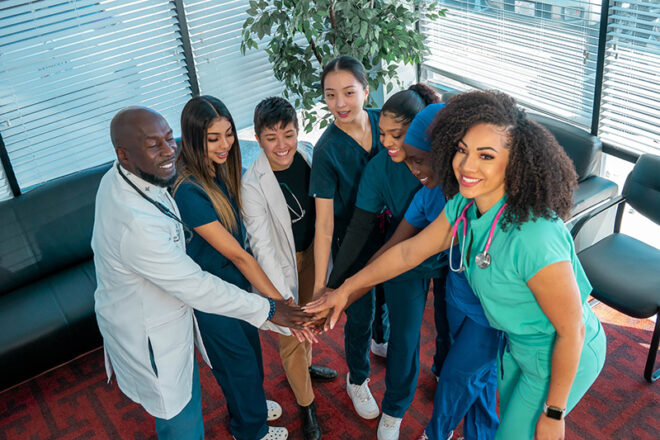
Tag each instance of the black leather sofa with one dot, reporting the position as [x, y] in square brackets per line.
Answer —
[586, 151]
[47, 277]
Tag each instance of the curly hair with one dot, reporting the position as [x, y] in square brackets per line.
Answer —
[539, 177]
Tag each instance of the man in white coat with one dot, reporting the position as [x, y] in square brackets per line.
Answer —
[147, 285]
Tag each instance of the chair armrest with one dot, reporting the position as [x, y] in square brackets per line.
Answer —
[591, 214]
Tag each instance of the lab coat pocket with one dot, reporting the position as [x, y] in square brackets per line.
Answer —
[171, 342]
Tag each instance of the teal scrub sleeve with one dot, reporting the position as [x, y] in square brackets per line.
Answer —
[454, 207]
[323, 177]
[194, 205]
[370, 192]
[540, 243]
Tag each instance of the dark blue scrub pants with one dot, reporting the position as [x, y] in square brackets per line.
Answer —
[468, 381]
[358, 333]
[380, 329]
[234, 350]
[188, 424]
[442, 334]
[405, 300]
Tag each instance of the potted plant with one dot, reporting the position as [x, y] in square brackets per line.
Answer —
[306, 34]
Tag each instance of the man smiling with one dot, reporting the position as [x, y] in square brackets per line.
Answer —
[147, 285]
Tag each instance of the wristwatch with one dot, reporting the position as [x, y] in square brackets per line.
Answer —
[553, 412]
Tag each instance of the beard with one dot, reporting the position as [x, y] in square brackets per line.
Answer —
[165, 183]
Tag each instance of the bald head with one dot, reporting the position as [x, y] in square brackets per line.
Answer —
[144, 144]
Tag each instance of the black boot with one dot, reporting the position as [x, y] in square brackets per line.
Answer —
[310, 426]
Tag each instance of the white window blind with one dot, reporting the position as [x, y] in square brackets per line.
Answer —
[66, 67]
[541, 52]
[222, 71]
[5, 190]
[630, 106]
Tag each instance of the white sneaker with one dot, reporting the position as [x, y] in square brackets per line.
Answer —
[274, 410]
[276, 433]
[363, 401]
[379, 349]
[388, 427]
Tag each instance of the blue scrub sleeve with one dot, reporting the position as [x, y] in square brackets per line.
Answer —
[323, 177]
[539, 244]
[194, 205]
[416, 215]
[370, 192]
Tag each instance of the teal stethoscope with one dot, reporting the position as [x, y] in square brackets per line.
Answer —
[483, 258]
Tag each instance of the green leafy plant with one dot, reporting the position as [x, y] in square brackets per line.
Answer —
[306, 34]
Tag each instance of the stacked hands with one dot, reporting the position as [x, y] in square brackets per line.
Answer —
[319, 315]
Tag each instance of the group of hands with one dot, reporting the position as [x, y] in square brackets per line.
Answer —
[319, 315]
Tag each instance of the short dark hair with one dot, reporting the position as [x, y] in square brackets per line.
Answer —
[272, 112]
[350, 64]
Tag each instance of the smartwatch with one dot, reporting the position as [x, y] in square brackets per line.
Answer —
[553, 412]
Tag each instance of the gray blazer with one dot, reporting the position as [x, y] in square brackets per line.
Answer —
[268, 223]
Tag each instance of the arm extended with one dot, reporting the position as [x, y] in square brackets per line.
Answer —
[400, 258]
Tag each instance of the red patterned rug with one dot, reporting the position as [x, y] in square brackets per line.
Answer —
[75, 402]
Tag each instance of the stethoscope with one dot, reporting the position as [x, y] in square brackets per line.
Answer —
[187, 232]
[483, 258]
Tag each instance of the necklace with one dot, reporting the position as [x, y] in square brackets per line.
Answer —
[298, 215]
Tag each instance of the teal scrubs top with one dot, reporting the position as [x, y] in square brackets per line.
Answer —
[391, 185]
[517, 254]
[197, 210]
[337, 165]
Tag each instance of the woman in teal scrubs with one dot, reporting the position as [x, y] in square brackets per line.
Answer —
[510, 185]
[387, 183]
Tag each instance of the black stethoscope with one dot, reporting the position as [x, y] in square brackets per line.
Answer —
[483, 258]
[187, 232]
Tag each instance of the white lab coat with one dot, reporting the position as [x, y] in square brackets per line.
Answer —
[147, 287]
[268, 223]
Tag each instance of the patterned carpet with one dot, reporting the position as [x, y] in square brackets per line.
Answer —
[75, 402]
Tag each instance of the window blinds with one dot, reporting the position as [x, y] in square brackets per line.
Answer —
[630, 103]
[66, 67]
[541, 52]
[239, 81]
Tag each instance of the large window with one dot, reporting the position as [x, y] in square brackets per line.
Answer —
[67, 66]
[630, 109]
[546, 54]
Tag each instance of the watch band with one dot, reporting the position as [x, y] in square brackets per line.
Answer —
[553, 412]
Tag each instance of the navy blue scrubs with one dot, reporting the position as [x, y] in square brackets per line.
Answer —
[337, 166]
[232, 344]
[386, 184]
[467, 381]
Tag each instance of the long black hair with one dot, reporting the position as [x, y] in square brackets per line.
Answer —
[404, 105]
[194, 165]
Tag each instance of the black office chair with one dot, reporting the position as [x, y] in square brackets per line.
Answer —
[625, 272]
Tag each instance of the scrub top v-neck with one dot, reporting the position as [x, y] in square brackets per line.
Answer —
[337, 167]
[517, 254]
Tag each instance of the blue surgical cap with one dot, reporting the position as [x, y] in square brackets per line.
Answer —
[416, 135]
